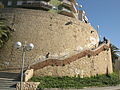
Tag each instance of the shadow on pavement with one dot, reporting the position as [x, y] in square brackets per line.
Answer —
[9, 75]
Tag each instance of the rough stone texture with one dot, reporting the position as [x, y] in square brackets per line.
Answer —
[28, 74]
[50, 33]
[72, 58]
[85, 67]
[28, 85]
[117, 65]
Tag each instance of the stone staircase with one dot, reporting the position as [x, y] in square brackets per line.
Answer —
[8, 80]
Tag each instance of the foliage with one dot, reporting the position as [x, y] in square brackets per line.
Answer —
[55, 3]
[53, 11]
[4, 32]
[77, 82]
[1, 6]
[114, 52]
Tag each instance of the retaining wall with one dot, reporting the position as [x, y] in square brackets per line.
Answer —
[84, 64]
[57, 35]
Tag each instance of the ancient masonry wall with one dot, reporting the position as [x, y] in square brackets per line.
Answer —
[85, 64]
[57, 35]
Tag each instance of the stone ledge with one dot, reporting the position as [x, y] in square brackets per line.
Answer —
[28, 85]
[28, 74]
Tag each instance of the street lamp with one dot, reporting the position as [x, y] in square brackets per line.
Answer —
[23, 47]
[98, 27]
[79, 5]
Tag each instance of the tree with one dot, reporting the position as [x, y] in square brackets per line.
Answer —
[4, 32]
[114, 52]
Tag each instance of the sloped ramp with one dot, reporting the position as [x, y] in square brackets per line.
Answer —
[57, 62]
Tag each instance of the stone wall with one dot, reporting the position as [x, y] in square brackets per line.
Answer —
[54, 36]
[117, 65]
[27, 85]
[28, 74]
[85, 64]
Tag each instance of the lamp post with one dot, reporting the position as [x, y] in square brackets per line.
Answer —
[98, 27]
[25, 47]
[98, 33]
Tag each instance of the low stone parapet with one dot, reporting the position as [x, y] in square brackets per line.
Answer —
[28, 74]
[28, 85]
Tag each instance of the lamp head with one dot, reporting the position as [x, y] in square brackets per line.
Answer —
[80, 6]
[18, 45]
[98, 26]
[55, 8]
[30, 46]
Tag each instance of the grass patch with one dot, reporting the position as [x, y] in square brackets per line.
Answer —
[77, 82]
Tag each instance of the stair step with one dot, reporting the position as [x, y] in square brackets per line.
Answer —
[8, 84]
[8, 81]
[8, 88]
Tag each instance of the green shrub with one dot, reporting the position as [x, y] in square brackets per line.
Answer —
[77, 82]
[55, 2]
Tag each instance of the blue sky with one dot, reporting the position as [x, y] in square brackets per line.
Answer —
[106, 14]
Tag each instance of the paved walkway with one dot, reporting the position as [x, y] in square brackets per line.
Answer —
[103, 88]
[8, 81]
[96, 88]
